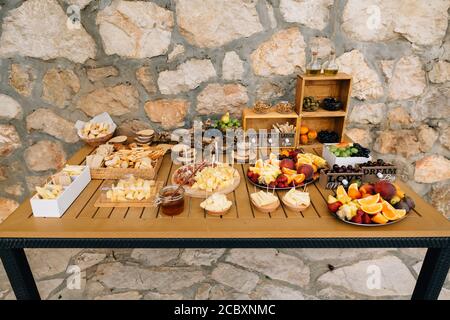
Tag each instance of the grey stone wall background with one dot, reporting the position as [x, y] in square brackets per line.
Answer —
[162, 63]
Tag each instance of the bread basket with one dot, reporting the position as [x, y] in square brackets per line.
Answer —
[98, 141]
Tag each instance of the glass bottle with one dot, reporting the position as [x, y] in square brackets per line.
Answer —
[330, 67]
[314, 67]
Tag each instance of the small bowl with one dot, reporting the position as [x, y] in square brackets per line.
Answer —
[294, 208]
[217, 213]
[268, 208]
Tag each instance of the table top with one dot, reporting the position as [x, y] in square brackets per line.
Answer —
[84, 220]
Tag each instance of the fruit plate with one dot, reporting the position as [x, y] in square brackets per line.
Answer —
[369, 225]
[305, 183]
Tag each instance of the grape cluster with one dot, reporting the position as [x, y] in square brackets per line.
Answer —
[362, 152]
[325, 136]
[378, 163]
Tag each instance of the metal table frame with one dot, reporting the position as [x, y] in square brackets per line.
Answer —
[429, 283]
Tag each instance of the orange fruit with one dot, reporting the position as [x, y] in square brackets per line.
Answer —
[389, 211]
[304, 139]
[353, 191]
[372, 208]
[312, 134]
[401, 213]
[342, 195]
[304, 130]
[369, 200]
[380, 219]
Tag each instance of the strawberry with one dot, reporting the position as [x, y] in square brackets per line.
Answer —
[357, 219]
[366, 219]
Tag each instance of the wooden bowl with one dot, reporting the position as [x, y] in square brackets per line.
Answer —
[267, 208]
[217, 213]
[294, 208]
[98, 141]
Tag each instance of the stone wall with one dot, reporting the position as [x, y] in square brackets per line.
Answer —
[161, 63]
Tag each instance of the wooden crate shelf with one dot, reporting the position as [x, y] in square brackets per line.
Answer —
[320, 87]
[258, 121]
[323, 114]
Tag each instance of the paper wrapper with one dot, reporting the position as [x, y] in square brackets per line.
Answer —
[102, 117]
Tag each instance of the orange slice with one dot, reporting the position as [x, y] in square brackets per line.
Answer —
[342, 195]
[372, 208]
[369, 200]
[401, 213]
[389, 211]
[353, 191]
[380, 219]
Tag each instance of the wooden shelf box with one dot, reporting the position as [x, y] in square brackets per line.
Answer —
[320, 87]
[257, 121]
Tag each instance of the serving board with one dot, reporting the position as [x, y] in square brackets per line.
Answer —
[196, 193]
[103, 202]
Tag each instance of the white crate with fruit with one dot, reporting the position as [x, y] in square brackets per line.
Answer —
[345, 153]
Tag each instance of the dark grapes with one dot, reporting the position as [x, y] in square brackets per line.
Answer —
[328, 137]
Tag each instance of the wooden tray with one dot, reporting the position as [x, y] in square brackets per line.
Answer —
[117, 173]
[103, 202]
[194, 193]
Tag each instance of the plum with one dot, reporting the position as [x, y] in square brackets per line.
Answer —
[410, 202]
[402, 204]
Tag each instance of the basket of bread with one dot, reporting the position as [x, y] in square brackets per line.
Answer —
[112, 161]
[97, 131]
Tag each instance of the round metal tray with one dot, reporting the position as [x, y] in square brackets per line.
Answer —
[369, 225]
[262, 186]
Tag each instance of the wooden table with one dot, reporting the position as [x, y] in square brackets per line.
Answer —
[86, 226]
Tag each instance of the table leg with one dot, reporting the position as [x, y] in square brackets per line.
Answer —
[19, 274]
[432, 275]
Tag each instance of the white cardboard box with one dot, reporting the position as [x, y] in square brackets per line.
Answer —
[341, 161]
[55, 208]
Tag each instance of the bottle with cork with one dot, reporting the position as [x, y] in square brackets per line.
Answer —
[330, 67]
[314, 67]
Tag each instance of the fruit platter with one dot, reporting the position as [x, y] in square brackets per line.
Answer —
[289, 169]
[201, 180]
[371, 204]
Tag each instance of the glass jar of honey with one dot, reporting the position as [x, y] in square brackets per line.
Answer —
[171, 200]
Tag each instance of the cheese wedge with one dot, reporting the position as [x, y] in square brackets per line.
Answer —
[263, 198]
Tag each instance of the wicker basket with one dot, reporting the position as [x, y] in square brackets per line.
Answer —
[98, 141]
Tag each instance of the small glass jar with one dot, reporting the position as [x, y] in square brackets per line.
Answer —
[171, 204]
